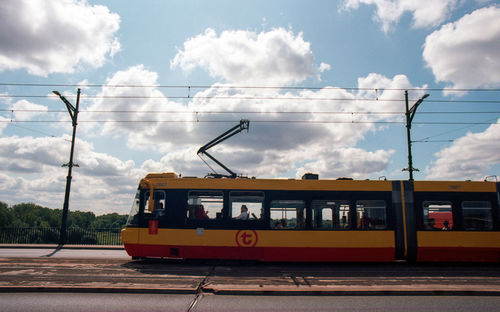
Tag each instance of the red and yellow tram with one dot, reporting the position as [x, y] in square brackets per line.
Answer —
[313, 220]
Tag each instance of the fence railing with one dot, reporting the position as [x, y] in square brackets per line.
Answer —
[76, 236]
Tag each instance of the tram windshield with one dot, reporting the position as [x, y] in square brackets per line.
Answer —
[134, 211]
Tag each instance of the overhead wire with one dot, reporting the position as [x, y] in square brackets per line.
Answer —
[246, 87]
[291, 98]
[455, 130]
[248, 98]
[34, 130]
[256, 121]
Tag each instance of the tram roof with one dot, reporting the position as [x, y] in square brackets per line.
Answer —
[171, 180]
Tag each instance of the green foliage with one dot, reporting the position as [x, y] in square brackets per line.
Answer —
[110, 221]
[29, 215]
[6, 216]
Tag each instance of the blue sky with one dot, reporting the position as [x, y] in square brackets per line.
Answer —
[321, 75]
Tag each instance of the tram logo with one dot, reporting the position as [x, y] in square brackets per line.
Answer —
[246, 238]
[153, 227]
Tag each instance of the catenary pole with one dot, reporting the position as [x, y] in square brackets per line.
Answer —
[73, 112]
[410, 113]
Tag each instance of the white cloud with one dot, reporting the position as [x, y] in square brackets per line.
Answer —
[101, 183]
[347, 162]
[466, 52]
[276, 57]
[52, 36]
[32, 155]
[147, 116]
[470, 156]
[25, 110]
[426, 13]
[274, 146]
[324, 67]
[388, 89]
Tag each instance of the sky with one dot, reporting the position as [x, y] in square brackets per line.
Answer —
[322, 83]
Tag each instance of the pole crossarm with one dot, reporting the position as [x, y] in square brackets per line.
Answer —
[69, 106]
[413, 109]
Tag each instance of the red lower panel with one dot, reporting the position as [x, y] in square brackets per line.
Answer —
[264, 253]
[458, 254]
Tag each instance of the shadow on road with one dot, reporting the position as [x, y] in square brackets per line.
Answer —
[229, 268]
[58, 248]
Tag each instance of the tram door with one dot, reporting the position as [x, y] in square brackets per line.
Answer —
[153, 215]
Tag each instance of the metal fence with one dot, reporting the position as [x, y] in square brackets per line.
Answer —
[75, 236]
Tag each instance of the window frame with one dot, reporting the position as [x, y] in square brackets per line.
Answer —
[359, 219]
[300, 217]
[157, 212]
[246, 198]
[190, 213]
[490, 221]
[335, 205]
[425, 217]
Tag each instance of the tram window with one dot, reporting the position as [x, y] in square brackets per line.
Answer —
[477, 215]
[288, 214]
[331, 214]
[252, 201]
[204, 205]
[438, 215]
[159, 198]
[371, 214]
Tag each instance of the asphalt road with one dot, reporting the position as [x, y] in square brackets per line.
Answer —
[31, 302]
[108, 280]
[112, 271]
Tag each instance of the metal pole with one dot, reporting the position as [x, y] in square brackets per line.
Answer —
[410, 113]
[73, 111]
[408, 128]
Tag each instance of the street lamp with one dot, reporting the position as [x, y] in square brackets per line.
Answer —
[410, 113]
[73, 112]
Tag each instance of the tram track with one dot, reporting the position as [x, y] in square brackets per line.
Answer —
[200, 291]
[208, 277]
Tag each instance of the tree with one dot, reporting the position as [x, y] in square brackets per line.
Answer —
[80, 219]
[6, 217]
[32, 215]
[110, 221]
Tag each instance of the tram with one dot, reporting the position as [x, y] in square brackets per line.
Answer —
[314, 220]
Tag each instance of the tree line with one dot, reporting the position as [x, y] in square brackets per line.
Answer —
[30, 215]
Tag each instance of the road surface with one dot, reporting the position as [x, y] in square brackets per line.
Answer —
[102, 279]
[112, 270]
[59, 302]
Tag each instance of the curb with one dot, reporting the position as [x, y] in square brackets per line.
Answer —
[121, 290]
[55, 246]
[354, 293]
[229, 292]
